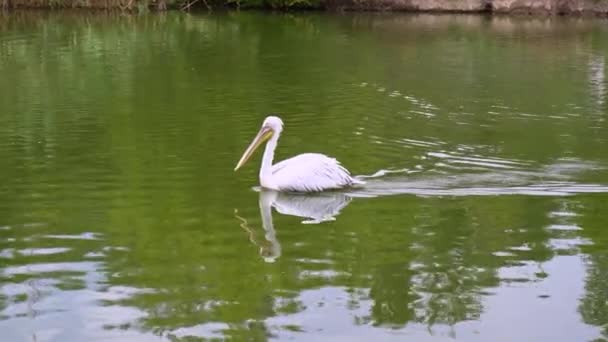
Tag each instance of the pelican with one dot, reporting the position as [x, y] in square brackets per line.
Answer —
[307, 172]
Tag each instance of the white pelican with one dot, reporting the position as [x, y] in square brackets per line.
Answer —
[307, 172]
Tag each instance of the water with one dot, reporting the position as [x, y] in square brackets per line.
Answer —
[483, 142]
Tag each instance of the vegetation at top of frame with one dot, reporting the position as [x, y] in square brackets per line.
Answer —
[145, 5]
[546, 7]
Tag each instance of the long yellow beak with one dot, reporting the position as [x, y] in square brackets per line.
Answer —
[264, 134]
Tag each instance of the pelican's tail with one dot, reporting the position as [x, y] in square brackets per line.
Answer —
[357, 181]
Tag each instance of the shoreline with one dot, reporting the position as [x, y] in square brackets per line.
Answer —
[538, 8]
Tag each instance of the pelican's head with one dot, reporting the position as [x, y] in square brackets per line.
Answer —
[273, 122]
[272, 125]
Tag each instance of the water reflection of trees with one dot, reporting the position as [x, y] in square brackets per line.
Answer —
[455, 249]
[594, 304]
[432, 269]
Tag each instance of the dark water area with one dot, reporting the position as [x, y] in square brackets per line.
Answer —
[483, 141]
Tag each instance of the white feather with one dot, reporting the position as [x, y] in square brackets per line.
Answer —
[310, 172]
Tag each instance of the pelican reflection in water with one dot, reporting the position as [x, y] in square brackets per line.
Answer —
[307, 172]
[315, 208]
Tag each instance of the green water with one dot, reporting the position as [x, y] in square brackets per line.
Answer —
[484, 218]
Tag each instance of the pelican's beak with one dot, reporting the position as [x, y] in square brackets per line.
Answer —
[264, 134]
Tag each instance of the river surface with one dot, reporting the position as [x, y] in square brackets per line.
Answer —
[483, 142]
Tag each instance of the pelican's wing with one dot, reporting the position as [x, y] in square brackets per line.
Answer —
[310, 172]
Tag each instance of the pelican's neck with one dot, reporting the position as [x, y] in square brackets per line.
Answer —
[266, 169]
